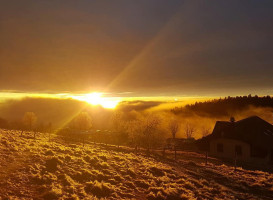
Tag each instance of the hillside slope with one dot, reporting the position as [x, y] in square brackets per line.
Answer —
[38, 169]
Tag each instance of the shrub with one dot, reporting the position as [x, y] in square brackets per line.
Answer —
[83, 176]
[53, 194]
[87, 158]
[142, 184]
[99, 189]
[131, 172]
[49, 153]
[66, 180]
[156, 171]
[94, 161]
[104, 158]
[67, 158]
[52, 164]
[103, 165]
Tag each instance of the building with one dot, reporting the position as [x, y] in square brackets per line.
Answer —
[250, 140]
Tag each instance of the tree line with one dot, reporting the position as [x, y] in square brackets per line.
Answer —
[148, 131]
[223, 106]
[28, 122]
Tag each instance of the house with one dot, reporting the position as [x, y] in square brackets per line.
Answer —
[249, 139]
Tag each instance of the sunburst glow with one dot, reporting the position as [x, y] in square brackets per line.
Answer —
[94, 98]
[97, 98]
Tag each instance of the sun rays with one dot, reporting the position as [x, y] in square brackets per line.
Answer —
[97, 98]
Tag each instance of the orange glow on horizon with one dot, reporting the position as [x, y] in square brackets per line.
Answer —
[106, 101]
[96, 98]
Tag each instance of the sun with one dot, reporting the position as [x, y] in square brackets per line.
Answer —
[96, 98]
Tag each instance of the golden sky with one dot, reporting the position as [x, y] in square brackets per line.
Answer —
[136, 48]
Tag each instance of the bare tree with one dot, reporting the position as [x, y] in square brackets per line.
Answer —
[82, 123]
[151, 124]
[189, 130]
[29, 121]
[174, 127]
[134, 128]
[117, 121]
[120, 128]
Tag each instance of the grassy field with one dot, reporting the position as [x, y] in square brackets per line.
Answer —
[39, 169]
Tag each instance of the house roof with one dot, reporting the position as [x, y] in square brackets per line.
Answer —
[252, 130]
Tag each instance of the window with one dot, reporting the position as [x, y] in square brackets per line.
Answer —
[220, 147]
[238, 150]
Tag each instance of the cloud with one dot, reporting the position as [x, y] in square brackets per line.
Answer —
[148, 47]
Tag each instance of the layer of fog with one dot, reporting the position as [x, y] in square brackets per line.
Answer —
[59, 112]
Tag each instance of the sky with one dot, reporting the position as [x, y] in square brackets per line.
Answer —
[137, 48]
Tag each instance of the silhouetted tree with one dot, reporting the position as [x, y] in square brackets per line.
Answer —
[223, 107]
[82, 122]
[173, 127]
[150, 125]
[29, 121]
[134, 129]
[189, 130]
[119, 126]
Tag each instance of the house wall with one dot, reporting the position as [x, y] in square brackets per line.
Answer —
[229, 146]
[266, 160]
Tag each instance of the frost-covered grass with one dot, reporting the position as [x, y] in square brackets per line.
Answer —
[40, 169]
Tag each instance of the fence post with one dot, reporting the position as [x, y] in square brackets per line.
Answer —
[206, 158]
[175, 152]
[235, 162]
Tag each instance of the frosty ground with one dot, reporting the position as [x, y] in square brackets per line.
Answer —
[42, 169]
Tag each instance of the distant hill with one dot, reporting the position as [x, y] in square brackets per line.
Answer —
[223, 107]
